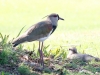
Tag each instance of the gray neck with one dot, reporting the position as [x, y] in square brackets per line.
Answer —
[53, 21]
[74, 51]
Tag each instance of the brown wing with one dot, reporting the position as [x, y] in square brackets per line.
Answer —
[39, 30]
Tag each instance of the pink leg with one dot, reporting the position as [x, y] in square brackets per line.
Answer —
[42, 55]
[39, 50]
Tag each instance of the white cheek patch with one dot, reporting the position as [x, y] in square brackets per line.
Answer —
[57, 18]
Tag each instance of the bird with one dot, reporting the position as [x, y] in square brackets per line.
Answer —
[39, 31]
[74, 55]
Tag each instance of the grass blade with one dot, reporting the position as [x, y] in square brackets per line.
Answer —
[1, 36]
[20, 31]
[2, 73]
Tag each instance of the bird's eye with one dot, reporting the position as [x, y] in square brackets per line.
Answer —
[55, 15]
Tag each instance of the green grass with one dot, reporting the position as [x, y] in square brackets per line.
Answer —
[11, 61]
[81, 26]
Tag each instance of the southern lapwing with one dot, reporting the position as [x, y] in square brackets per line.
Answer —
[73, 54]
[39, 32]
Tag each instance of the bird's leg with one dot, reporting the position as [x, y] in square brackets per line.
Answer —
[39, 51]
[42, 55]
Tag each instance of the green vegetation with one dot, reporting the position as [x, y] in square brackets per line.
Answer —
[80, 28]
[19, 61]
[24, 70]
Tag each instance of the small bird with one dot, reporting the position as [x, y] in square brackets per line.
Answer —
[73, 54]
[39, 32]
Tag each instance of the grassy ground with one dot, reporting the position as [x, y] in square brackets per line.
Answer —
[81, 26]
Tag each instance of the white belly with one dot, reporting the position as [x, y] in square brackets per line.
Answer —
[44, 38]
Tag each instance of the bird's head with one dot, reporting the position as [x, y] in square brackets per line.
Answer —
[73, 50]
[54, 18]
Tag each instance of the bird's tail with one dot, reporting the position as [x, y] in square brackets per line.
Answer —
[19, 40]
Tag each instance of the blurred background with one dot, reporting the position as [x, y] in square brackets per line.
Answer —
[81, 26]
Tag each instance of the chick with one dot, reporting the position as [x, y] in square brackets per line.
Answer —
[74, 55]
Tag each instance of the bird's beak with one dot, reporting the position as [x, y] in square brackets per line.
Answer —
[61, 18]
